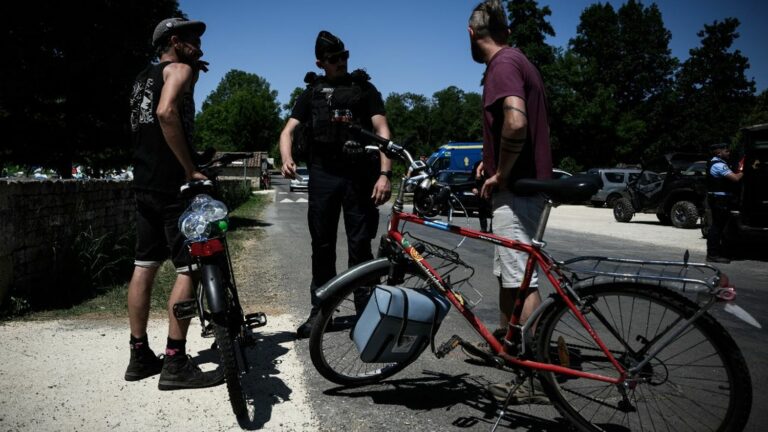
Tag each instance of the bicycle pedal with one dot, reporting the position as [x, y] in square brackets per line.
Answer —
[255, 320]
[186, 309]
[207, 331]
[448, 346]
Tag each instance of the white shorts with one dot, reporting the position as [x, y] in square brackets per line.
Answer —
[515, 218]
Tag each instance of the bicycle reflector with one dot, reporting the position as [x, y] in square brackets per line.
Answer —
[206, 248]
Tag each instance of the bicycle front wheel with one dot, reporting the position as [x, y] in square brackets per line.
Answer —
[698, 382]
[331, 348]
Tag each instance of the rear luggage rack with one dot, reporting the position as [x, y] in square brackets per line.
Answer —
[681, 276]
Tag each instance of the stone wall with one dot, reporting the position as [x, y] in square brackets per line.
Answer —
[39, 221]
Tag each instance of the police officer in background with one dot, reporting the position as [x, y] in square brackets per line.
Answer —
[722, 188]
[342, 174]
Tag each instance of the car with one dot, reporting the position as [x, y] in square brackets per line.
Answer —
[302, 179]
[677, 198]
[461, 183]
[614, 182]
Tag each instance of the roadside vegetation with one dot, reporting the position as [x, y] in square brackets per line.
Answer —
[110, 300]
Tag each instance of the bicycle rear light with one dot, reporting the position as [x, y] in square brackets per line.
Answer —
[206, 248]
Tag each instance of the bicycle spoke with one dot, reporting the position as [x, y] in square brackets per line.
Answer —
[687, 386]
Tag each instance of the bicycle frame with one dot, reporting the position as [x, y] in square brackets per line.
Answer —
[536, 256]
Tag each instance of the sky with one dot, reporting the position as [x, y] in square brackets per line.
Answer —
[418, 46]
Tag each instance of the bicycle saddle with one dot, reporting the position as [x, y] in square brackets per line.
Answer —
[568, 190]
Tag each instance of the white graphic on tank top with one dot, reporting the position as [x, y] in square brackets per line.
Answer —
[141, 104]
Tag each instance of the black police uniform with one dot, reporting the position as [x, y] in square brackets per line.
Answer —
[720, 195]
[342, 174]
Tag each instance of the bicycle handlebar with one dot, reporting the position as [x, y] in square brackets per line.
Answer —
[226, 159]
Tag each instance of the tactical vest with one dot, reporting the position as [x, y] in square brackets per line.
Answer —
[334, 107]
[719, 184]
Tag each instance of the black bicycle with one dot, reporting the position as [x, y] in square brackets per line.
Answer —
[205, 226]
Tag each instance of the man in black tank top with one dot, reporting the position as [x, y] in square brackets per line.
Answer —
[162, 116]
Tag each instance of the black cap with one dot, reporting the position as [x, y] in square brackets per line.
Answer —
[718, 146]
[171, 26]
[327, 45]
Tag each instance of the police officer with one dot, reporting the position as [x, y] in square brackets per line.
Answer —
[342, 174]
[722, 188]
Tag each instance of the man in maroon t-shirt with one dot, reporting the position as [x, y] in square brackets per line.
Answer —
[515, 146]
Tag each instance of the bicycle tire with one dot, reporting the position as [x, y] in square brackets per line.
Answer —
[711, 392]
[228, 347]
[331, 343]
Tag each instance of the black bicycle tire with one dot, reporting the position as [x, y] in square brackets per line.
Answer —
[227, 346]
[740, 398]
[321, 325]
[225, 342]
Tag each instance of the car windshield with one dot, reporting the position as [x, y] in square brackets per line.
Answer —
[698, 168]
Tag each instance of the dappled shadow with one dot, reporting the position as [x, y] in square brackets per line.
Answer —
[261, 385]
[236, 222]
[444, 391]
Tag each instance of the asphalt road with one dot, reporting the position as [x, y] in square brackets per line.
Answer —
[450, 393]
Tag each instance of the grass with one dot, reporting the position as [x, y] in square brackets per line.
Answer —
[111, 301]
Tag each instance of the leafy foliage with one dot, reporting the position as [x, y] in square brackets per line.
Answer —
[714, 94]
[241, 114]
[425, 124]
[66, 78]
[529, 29]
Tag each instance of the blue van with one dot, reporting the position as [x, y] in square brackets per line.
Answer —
[459, 156]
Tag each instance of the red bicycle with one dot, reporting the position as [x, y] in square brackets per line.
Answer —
[620, 344]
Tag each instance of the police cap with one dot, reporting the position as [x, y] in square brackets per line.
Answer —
[327, 45]
[718, 146]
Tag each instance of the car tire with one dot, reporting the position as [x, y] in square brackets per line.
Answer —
[622, 210]
[612, 200]
[597, 204]
[664, 218]
[684, 214]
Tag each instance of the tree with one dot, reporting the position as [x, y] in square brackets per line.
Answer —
[623, 91]
[715, 95]
[241, 114]
[66, 78]
[408, 118]
[450, 115]
[529, 29]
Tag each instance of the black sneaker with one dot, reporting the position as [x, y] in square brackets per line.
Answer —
[718, 259]
[144, 363]
[180, 373]
[305, 329]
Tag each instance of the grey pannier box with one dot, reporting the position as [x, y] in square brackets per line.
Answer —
[382, 335]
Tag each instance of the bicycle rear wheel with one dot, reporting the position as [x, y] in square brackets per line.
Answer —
[227, 341]
[229, 349]
[331, 348]
[699, 382]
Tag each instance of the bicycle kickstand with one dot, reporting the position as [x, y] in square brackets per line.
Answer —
[502, 411]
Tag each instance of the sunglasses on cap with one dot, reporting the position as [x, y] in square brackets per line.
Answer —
[337, 57]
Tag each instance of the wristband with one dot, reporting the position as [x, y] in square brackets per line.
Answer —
[387, 174]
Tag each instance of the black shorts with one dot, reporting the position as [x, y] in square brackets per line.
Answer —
[157, 231]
